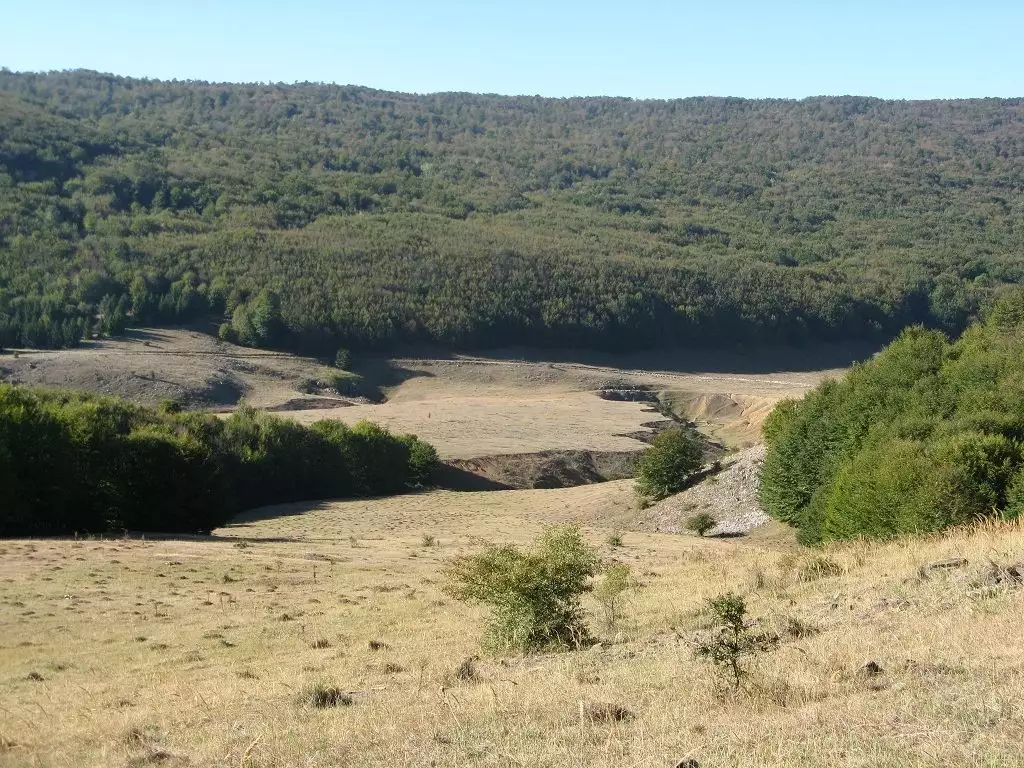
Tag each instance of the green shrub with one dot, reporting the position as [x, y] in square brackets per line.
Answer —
[534, 596]
[614, 581]
[72, 462]
[342, 359]
[666, 466]
[701, 523]
[732, 641]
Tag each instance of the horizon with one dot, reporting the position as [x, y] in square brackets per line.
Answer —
[655, 51]
[609, 96]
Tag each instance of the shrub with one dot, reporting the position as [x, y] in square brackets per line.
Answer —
[534, 596]
[666, 466]
[701, 523]
[614, 539]
[732, 641]
[608, 591]
[925, 436]
[342, 359]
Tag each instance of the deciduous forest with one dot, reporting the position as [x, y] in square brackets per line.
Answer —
[313, 217]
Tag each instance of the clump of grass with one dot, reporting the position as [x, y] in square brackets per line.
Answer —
[34, 677]
[466, 671]
[614, 539]
[429, 540]
[378, 645]
[319, 643]
[818, 567]
[241, 545]
[324, 696]
[605, 712]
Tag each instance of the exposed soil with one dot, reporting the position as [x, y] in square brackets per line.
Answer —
[546, 469]
[192, 368]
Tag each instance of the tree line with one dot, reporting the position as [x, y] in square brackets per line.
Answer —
[927, 435]
[349, 217]
[77, 463]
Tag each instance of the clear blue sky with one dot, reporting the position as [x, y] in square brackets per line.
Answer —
[639, 48]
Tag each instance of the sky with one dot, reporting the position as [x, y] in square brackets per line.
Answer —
[638, 48]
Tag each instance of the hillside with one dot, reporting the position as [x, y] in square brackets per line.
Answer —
[313, 216]
[124, 652]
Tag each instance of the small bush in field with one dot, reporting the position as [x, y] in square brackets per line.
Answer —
[534, 595]
[701, 523]
[608, 591]
[733, 640]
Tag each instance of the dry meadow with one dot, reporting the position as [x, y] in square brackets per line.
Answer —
[128, 652]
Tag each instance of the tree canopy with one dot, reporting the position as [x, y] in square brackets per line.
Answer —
[77, 463]
[317, 217]
[927, 435]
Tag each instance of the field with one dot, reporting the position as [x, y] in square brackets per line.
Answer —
[467, 406]
[196, 652]
[142, 651]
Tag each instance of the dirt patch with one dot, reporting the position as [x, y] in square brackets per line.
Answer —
[546, 469]
[149, 366]
[309, 404]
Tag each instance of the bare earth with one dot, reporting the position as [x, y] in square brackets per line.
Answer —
[465, 406]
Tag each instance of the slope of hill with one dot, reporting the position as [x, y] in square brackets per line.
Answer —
[316, 216]
[195, 652]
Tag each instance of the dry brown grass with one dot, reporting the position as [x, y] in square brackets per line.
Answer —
[149, 655]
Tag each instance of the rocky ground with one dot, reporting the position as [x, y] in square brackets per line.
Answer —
[729, 496]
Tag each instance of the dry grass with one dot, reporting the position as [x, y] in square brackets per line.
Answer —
[150, 656]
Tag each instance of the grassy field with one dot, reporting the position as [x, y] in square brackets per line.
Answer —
[197, 652]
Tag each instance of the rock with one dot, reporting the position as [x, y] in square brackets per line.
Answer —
[870, 669]
[1004, 576]
[596, 648]
[952, 562]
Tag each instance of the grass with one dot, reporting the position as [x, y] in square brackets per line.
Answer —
[219, 678]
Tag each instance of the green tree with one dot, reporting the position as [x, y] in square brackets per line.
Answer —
[666, 466]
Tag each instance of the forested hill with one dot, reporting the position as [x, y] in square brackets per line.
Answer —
[315, 216]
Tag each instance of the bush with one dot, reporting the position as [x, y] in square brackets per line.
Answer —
[614, 581]
[665, 467]
[701, 523]
[925, 436]
[534, 595]
[342, 359]
[732, 641]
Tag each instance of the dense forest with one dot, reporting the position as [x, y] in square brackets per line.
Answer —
[77, 463]
[927, 435]
[315, 217]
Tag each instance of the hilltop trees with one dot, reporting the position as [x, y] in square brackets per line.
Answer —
[375, 218]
